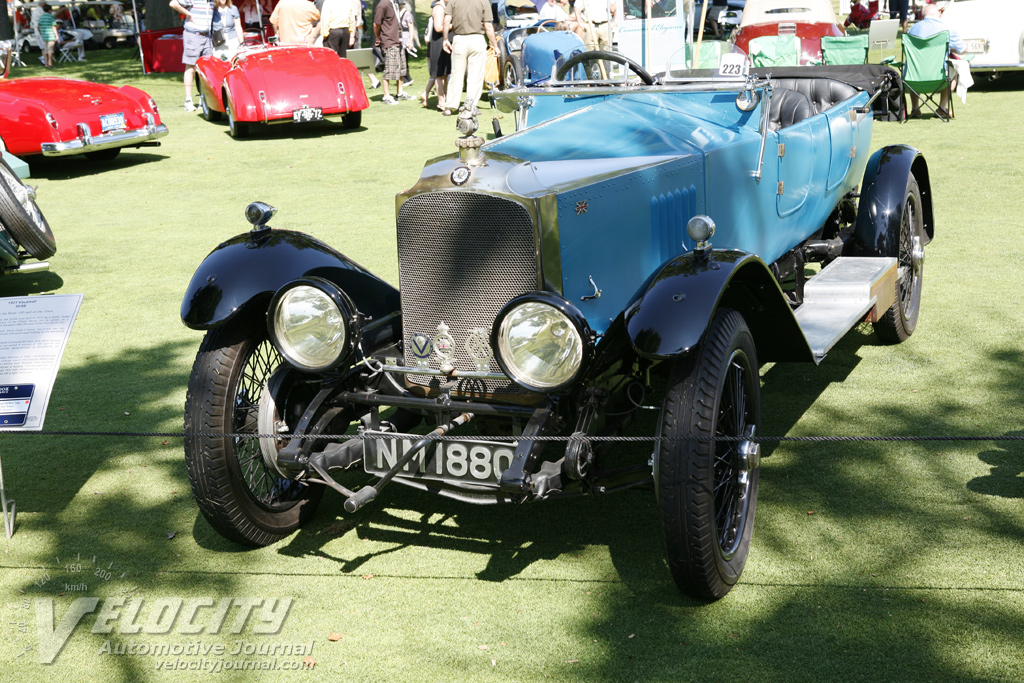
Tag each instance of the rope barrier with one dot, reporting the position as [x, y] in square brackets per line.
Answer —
[513, 439]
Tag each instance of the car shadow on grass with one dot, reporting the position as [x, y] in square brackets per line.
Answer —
[65, 168]
[27, 284]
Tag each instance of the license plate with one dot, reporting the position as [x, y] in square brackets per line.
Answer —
[110, 122]
[307, 114]
[976, 45]
[471, 462]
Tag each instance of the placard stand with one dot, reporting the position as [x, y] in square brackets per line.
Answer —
[34, 332]
[882, 34]
[8, 512]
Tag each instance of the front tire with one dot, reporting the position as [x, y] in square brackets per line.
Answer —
[899, 322]
[22, 217]
[512, 72]
[208, 113]
[707, 490]
[241, 497]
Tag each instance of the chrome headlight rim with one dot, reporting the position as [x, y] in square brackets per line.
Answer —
[347, 310]
[575, 318]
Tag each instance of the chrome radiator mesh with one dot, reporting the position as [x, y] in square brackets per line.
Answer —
[462, 256]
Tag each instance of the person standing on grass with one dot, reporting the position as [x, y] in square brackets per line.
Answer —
[47, 34]
[338, 21]
[296, 22]
[410, 39]
[197, 39]
[228, 21]
[440, 61]
[466, 23]
[388, 36]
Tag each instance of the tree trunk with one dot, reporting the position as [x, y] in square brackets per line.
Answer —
[6, 28]
[159, 15]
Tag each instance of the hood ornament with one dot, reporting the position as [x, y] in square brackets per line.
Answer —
[469, 144]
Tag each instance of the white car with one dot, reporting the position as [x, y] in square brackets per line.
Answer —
[993, 31]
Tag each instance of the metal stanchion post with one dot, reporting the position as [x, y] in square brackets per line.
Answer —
[8, 513]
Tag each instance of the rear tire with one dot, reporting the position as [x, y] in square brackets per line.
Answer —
[243, 498]
[236, 128]
[707, 490]
[900, 320]
[352, 120]
[22, 217]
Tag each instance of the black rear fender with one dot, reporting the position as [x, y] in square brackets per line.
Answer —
[877, 231]
[672, 316]
[240, 276]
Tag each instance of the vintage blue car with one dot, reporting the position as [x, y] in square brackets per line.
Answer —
[528, 54]
[646, 242]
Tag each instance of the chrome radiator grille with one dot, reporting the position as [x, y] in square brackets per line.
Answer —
[462, 256]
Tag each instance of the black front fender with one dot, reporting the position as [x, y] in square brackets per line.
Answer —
[243, 273]
[672, 316]
[880, 213]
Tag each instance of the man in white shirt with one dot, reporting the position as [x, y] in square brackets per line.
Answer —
[596, 21]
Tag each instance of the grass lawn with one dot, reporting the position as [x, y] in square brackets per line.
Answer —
[870, 561]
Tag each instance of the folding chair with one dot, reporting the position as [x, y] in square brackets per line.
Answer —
[710, 54]
[68, 52]
[843, 50]
[925, 72]
[775, 51]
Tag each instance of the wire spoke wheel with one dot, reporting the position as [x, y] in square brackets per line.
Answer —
[900, 320]
[238, 491]
[21, 216]
[707, 488]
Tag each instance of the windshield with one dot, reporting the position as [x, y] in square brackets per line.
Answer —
[710, 59]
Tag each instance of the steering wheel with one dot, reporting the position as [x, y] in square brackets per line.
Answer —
[592, 55]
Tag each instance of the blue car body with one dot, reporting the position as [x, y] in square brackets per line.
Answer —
[626, 245]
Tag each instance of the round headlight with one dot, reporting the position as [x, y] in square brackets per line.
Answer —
[542, 342]
[310, 324]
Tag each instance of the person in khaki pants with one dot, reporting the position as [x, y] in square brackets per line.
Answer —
[466, 23]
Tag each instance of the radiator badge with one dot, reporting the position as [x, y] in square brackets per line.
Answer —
[460, 175]
[444, 346]
[478, 346]
[421, 347]
[581, 207]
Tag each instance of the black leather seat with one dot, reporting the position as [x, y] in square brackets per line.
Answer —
[788, 107]
[823, 93]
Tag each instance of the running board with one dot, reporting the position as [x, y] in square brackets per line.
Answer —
[844, 293]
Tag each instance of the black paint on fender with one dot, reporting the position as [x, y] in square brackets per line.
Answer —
[884, 189]
[245, 272]
[673, 315]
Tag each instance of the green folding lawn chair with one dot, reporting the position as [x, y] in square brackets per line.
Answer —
[710, 54]
[925, 72]
[775, 51]
[842, 50]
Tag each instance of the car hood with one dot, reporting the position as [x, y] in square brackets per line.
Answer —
[641, 125]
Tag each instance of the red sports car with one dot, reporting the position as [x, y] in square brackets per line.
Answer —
[808, 20]
[62, 117]
[280, 84]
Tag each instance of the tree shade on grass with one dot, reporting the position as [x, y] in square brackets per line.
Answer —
[869, 562]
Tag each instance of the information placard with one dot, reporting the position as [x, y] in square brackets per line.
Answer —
[34, 332]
